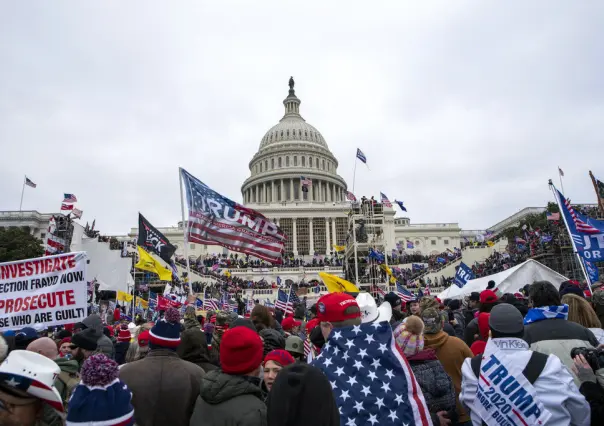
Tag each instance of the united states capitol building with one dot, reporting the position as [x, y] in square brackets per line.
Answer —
[314, 216]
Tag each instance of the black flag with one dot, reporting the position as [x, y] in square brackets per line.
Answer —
[154, 241]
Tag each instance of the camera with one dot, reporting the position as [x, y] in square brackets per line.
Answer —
[593, 356]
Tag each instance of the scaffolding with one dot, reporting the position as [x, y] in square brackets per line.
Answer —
[366, 223]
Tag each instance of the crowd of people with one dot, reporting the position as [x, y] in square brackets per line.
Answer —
[267, 368]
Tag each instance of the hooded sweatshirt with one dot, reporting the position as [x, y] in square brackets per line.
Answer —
[104, 343]
[272, 340]
[451, 352]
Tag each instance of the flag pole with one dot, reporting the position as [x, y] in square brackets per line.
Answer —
[560, 176]
[581, 264]
[184, 228]
[354, 174]
[22, 192]
[600, 200]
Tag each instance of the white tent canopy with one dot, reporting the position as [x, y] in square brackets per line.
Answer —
[509, 281]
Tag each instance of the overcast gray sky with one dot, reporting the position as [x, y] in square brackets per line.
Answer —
[464, 109]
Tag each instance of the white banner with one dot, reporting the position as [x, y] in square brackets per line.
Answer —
[45, 291]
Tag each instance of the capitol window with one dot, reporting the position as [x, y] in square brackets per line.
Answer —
[260, 167]
[323, 164]
[295, 160]
[272, 163]
[279, 161]
[303, 161]
[286, 161]
[433, 242]
[317, 163]
[265, 165]
[446, 242]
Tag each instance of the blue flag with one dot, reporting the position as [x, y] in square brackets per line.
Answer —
[361, 156]
[417, 266]
[374, 254]
[400, 204]
[587, 233]
[592, 271]
[441, 260]
[463, 275]
[372, 382]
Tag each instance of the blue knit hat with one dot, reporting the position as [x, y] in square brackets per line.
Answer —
[100, 398]
[166, 332]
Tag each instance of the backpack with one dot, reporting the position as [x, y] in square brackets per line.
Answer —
[70, 381]
[531, 371]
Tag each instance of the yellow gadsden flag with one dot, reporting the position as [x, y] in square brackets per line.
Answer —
[336, 284]
[142, 303]
[490, 243]
[122, 296]
[147, 263]
[339, 248]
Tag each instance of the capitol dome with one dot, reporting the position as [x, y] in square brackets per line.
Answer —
[289, 151]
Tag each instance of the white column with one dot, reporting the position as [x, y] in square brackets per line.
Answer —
[264, 194]
[329, 188]
[327, 245]
[333, 192]
[333, 231]
[282, 198]
[310, 236]
[310, 192]
[273, 191]
[291, 190]
[295, 247]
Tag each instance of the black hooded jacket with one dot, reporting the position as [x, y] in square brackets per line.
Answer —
[302, 396]
[193, 346]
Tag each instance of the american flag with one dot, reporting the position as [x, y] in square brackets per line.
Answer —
[427, 290]
[371, 380]
[66, 207]
[580, 222]
[403, 293]
[385, 200]
[304, 181]
[552, 216]
[29, 182]
[210, 304]
[377, 289]
[285, 304]
[69, 198]
[307, 347]
[227, 305]
[217, 220]
[77, 213]
[268, 303]
[350, 196]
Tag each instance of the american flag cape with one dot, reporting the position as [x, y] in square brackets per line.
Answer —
[371, 380]
[217, 220]
[581, 222]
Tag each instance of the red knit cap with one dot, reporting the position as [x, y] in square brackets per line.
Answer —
[280, 356]
[241, 351]
[65, 340]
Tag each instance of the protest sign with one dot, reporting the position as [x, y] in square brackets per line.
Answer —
[45, 291]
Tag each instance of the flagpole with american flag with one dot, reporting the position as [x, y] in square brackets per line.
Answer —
[562, 205]
[28, 182]
[184, 230]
